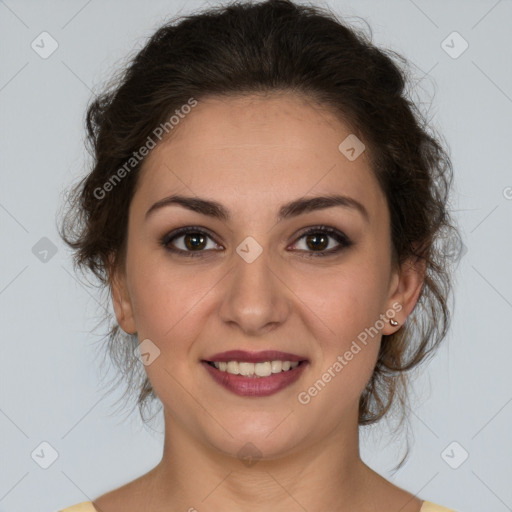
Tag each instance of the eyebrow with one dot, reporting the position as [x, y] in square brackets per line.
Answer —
[288, 210]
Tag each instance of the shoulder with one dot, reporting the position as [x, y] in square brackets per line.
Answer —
[428, 506]
[127, 497]
[84, 506]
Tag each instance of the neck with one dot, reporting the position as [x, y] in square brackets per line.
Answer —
[323, 474]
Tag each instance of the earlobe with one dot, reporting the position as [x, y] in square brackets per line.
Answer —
[122, 303]
[405, 291]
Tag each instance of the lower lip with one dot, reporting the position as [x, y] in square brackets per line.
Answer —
[255, 386]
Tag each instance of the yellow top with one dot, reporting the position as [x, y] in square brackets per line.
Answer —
[87, 506]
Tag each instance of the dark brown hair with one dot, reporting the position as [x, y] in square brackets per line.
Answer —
[262, 48]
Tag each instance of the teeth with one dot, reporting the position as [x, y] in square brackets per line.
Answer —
[255, 369]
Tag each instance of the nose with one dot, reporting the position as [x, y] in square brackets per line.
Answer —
[255, 298]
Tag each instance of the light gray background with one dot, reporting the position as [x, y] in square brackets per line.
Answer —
[50, 365]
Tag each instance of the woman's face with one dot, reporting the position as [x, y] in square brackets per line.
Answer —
[252, 281]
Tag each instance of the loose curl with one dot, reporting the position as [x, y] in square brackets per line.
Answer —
[269, 47]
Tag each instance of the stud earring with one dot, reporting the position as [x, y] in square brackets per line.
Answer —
[393, 322]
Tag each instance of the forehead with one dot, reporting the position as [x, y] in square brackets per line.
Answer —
[279, 146]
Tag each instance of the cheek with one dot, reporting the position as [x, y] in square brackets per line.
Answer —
[343, 311]
[167, 299]
[352, 345]
[346, 300]
[348, 336]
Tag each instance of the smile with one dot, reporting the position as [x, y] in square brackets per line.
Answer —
[255, 379]
[263, 369]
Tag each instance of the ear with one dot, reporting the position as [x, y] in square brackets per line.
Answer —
[121, 300]
[405, 288]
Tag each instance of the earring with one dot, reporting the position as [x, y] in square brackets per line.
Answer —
[393, 322]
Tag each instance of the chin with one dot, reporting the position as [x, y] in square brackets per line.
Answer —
[255, 439]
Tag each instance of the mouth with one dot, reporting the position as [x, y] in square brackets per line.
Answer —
[255, 374]
[255, 370]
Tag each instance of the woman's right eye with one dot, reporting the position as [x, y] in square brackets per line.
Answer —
[189, 242]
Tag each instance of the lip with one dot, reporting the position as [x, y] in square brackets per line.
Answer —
[254, 357]
[255, 386]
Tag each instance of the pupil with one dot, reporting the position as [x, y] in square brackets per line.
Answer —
[316, 237]
[194, 237]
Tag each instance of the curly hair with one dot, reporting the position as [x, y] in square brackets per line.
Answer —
[259, 48]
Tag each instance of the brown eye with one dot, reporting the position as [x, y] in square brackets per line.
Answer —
[187, 241]
[195, 241]
[317, 241]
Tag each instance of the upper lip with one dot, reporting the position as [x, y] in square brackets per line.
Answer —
[254, 357]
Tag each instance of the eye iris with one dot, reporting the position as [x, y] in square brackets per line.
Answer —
[316, 237]
[194, 244]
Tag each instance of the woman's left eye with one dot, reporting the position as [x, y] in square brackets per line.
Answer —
[195, 241]
[318, 238]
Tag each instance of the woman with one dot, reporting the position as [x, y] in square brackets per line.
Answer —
[269, 213]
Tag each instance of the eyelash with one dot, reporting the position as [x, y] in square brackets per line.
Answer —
[340, 237]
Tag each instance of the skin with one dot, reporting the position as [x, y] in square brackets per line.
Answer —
[253, 154]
